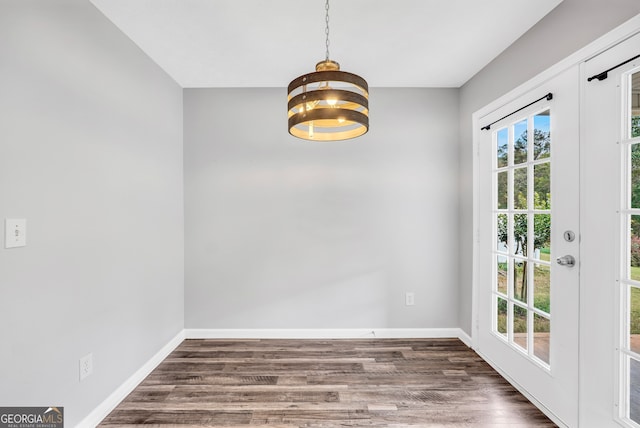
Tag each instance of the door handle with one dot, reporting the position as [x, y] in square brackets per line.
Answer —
[567, 260]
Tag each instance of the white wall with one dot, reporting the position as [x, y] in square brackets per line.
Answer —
[569, 27]
[284, 233]
[91, 156]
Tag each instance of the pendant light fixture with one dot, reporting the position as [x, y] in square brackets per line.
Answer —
[329, 104]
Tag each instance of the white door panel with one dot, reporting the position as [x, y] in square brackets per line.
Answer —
[528, 304]
[609, 317]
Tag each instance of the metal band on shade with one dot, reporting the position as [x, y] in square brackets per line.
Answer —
[354, 124]
[325, 76]
[351, 98]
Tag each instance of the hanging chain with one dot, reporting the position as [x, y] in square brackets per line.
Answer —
[326, 29]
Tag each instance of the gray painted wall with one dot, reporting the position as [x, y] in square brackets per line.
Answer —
[284, 233]
[91, 156]
[569, 27]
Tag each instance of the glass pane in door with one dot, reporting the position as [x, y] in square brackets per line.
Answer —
[635, 105]
[542, 287]
[542, 135]
[634, 247]
[542, 186]
[520, 327]
[542, 236]
[520, 234]
[502, 272]
[520, 188]
[634, 319]
[541, 343]
[520, 144]
[503, 190]
[635, 176]
[501, 319]
[503, 148]
[520, 280]
[502, 233]
[634, 390]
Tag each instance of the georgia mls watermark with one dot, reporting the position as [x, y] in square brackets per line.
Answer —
[31, 417]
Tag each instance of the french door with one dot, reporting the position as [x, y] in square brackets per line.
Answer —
[610, 329]
[528, 244]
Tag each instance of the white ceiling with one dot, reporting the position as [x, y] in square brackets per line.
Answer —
[267, 43]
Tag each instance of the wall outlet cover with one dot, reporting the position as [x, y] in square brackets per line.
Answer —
[86, 366]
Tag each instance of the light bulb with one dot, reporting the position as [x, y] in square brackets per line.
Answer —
[332, 102]
[341, 119]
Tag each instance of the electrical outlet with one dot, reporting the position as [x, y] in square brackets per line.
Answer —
[86, 366]
[409, 299]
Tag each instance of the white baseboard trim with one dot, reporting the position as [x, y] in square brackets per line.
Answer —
[465, 338]
[338, 333]
[101, 412]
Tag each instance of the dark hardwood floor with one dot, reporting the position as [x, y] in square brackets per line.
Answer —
[325, 383]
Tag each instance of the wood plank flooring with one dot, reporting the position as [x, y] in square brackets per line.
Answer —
[325, 383]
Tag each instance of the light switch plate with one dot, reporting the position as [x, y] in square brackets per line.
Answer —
[15, 232]
[409, 298]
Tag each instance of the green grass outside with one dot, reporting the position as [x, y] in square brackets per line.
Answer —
[545, 255]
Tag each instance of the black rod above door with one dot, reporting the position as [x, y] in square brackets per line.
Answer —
[548, 97]
[605, 74]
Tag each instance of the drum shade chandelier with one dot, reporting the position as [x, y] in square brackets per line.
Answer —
[328, 105]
